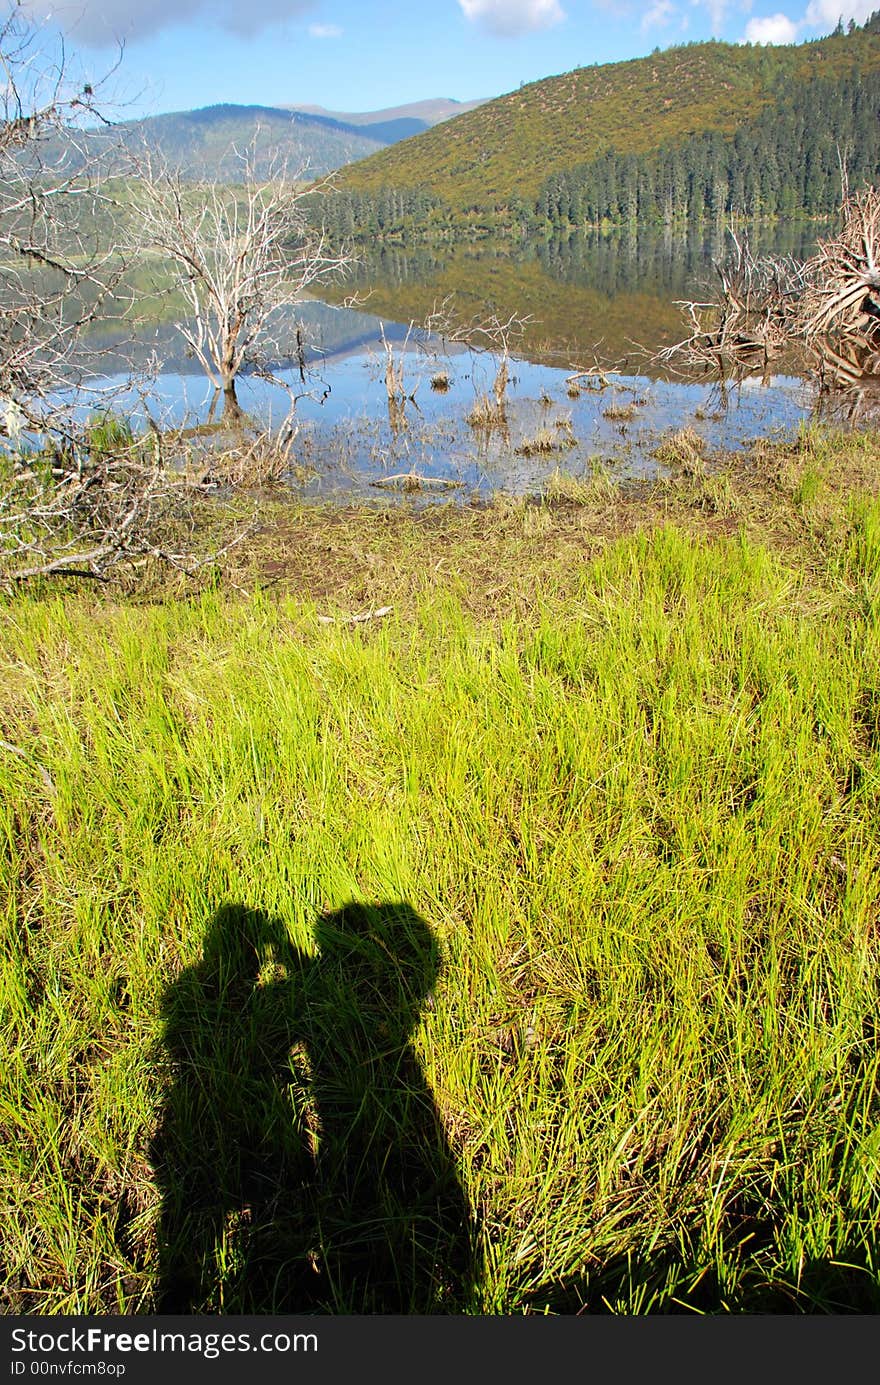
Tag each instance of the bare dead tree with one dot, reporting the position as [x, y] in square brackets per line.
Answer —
[77, 495]
[240, 256]
[57, 267]
[489, 334]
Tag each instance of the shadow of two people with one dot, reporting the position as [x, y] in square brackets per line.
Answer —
[300, 1156]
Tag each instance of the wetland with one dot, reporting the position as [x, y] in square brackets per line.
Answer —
[586, 389]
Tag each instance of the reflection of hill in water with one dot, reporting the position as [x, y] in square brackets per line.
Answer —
[327, 332]
[609, 294]
[612, 297]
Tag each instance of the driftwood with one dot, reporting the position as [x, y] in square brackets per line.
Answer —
[826, 308]
[91, 518]
[594, 378]
[413, 481]
[844, 272]
[379, 614]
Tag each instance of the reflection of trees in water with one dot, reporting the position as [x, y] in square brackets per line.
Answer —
[402, 283]
[663, 262]
[300, 1156]
[668, 265]
[662, 265]
[393, 265]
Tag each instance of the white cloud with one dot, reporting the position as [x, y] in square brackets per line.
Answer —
[101, 22]
[772, 28]
[325, 31]
[508, 18]
[820, 14]
[719, 11]
[824, 14]
[659, 15]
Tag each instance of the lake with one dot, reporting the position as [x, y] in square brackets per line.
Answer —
[609, 301]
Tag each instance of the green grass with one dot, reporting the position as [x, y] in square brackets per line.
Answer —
[632, 818]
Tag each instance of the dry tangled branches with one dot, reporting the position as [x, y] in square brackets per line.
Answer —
[749, 324]
[485, 333]
[96, 517]
[57, 270]
[826, 307]
[839, 311]
[77, 495]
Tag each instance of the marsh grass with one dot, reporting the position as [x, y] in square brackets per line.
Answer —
[593, 489]
[620, 413]
[683, 450]
[546, 440]
[486, 414]
[630, 790]
[258, 462]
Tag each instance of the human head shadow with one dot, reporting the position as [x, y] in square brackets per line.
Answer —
[229, 1162]
[395, 1227]
[300, 1156]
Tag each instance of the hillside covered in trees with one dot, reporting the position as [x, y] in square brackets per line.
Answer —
[703, 130]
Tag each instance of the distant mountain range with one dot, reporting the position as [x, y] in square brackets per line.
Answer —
[207, 143]
[395, 123]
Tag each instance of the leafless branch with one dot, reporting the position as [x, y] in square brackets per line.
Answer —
[58, 265]
[109, 513]
[827, 307]
[241, 256]
[489, 333]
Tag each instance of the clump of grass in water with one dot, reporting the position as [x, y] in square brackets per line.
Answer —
[108, 434]
[597, 488]
[545, 441]
[620, 413]
[683, 451]
[440, 382]
[486, 414]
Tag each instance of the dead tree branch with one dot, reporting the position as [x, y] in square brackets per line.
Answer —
[485, 334]
[826, 308]
[104, 516]
[839, 315]
[59, 267]
[240, 256]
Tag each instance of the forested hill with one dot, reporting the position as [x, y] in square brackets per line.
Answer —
[497, 164]
[785, 162]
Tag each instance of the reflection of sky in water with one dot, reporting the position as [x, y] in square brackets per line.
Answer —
[604, 289]
[345, 439]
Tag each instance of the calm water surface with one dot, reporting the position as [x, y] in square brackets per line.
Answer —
[611, 301]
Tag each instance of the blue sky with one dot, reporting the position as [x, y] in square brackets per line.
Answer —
[355, 55]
